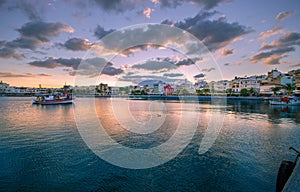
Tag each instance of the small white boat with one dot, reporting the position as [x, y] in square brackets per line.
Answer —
[53, 99]
[286, 101]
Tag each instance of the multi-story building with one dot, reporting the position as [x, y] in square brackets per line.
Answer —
[239, 83]
[297, 82]
[219, 86]
[274, 76]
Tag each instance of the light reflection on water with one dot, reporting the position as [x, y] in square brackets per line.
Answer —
[40, 148]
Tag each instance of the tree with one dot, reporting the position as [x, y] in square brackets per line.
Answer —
[184, 92]
[229, 91]
[252, 91]
[289, 87]
[199, 92]
[275, 90]
[244, 92]
[206, 91]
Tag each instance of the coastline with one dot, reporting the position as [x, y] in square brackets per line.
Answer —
[162, 97]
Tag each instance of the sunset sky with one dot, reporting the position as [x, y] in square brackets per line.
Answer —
[46, 42]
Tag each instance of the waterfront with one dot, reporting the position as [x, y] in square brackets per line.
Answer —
[41, 149]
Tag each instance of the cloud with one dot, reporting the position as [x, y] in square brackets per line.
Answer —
[7, 53]
[184, 62]
[15, 75]
[29, 10]
[226, 52]
[173, 75]
[96, 66]
[101, 32]
[43, 30]
[226, 64]
[271, 57]
[200, 75]
[2, 2]
[155, 65]
[147, 12]
[215, 34]
[127, 5]
[269, 33]
[288, 39]
[25, 43]
[296, 65]
[209, 69]
[283, 15]
[52, 62]
[77, 44]
[162, 64]
[90, 67]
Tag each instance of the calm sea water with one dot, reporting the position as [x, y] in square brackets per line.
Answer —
[42, 150]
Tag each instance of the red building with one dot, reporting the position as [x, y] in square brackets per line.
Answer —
[168, 90]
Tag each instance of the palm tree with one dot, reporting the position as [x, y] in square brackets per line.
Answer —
[229, 91]
[275, 89]
[289, 87]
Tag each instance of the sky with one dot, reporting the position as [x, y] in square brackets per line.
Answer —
[122, 42]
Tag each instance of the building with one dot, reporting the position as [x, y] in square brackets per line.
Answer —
[168, 90]
[3, 87]
[297, 82]
[239, 83]
[267, 89]
[274, 76]
[219, 86]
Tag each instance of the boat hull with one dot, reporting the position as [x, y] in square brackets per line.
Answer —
[53, 102]
[284, 103]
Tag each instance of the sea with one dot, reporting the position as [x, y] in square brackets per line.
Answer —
[235, 145]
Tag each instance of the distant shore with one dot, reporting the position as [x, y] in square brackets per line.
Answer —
[161, 97]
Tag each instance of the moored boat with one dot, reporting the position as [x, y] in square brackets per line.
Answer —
[287, 100]
[53, 99]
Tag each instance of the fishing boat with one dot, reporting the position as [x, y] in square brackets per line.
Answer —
[287, 100]
[53, 99]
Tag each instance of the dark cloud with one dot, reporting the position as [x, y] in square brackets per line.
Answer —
[7, 53]
[288, 39]
[173, 74]
[43, 30]
[77, 44]
[29, 10]
[226, 52]
[57, 62]
[208, 69]
[2, 2]
[201, 75]
[137, 48]
[101, 32]
[271, 57]
[10, 74]
[283, 15]
[214, 33]
[110, 70]
[126, 5]
[96, 66]
[226, 64]
[184, 62]
[25, 43]
[155, 65]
